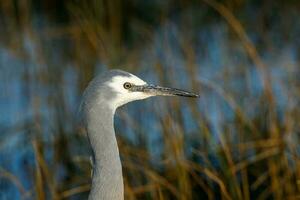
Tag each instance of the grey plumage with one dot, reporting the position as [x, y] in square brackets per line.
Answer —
[107, 180]
[100, 100]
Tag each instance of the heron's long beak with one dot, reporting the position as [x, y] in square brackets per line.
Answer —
[163, 91]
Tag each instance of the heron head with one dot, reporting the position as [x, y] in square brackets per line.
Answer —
[129, 87]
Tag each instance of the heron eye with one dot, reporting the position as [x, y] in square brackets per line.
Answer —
[127, 85]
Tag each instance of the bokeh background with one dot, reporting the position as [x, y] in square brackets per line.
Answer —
[240, 140]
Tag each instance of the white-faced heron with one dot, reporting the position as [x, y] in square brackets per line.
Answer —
[102, 97]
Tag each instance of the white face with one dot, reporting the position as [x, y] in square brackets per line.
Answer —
[124, 95]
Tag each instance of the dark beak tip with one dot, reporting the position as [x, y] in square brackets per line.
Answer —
[192, 95]
[196, 96]
[189, 95]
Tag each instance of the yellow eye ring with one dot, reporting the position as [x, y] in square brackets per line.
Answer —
[127, 85]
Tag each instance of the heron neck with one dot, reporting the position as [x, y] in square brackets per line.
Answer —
[107, 179]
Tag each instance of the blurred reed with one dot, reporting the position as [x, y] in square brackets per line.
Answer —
[176, 151]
